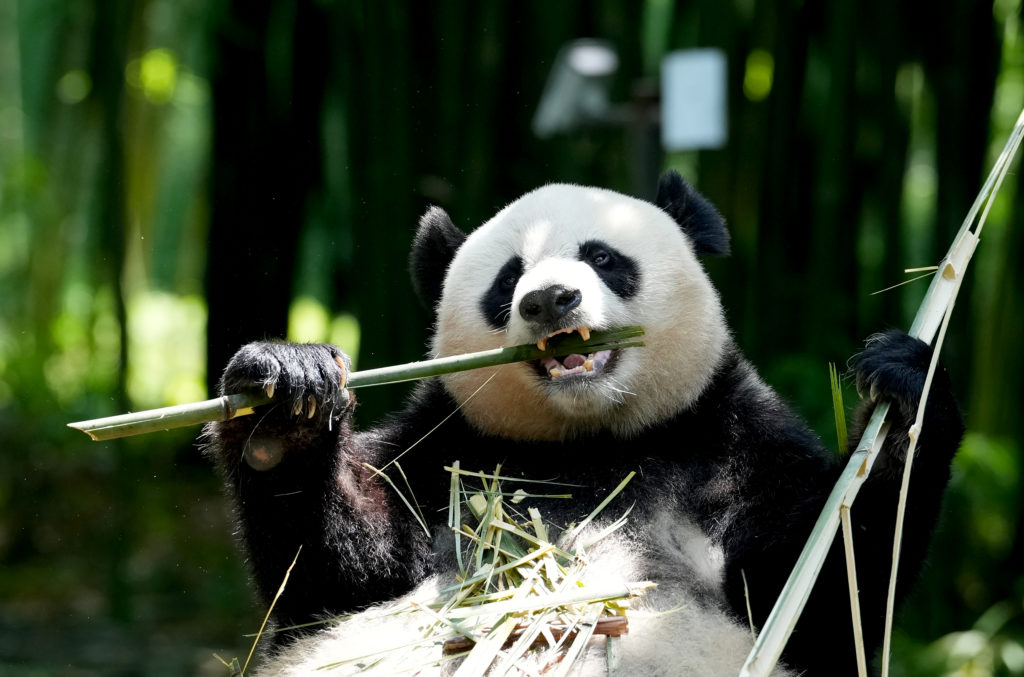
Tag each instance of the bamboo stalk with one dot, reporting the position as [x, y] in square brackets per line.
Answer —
[851, 581]
[901, 505]
[935, 305]
[232, 406]
[221, 408]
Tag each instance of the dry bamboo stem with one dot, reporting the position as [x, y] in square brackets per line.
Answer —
[851, 579]
[901, 506]
[935, 305]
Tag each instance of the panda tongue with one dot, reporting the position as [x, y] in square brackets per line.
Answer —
[573, 361]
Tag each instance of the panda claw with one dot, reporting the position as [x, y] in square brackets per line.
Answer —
[584, 333]
[297, 408]
[270, 390]
[312, 407]
[344, 369]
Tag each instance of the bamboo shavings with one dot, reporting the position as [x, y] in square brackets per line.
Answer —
[522, 604]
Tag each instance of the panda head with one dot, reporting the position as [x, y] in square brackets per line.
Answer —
[568, 258]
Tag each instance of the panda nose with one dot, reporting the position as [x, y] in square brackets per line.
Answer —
[544, 306]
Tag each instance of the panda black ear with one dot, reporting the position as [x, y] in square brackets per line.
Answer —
[694, 213]
[433, 248]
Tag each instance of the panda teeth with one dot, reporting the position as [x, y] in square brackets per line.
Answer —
[593, 363]
[584, 332]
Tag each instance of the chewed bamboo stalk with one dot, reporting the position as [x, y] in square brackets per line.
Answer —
[222, 408]
[232, 406]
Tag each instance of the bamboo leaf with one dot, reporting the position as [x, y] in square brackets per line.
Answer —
[528, 557]
[504, 478]
[520, 593]
[270, 610]
[415, 513]
[568, 538]
[586, 624]
[486, 649]
[838, 409]
[584, 595]
[455, 516]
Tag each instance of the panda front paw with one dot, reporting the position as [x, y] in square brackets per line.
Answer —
[893, 367]
[306, 384]
[306, 381]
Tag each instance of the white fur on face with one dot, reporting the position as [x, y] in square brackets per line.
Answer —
[676, 304]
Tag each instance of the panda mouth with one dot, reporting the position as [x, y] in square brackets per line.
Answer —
[575, 364]
[588, 365]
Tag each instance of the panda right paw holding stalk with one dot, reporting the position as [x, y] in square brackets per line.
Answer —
[729, 484]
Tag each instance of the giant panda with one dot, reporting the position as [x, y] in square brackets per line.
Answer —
[729, 479]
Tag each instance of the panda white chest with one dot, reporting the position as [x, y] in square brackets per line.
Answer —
[677, 628]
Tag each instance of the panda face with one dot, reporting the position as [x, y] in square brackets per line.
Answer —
[567, 259]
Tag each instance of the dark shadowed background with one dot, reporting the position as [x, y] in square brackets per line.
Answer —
[180, 177]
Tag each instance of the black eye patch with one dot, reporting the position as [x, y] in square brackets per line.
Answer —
[496, 304]
[618, 271]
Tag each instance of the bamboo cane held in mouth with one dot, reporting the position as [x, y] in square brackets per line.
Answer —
[232, 406]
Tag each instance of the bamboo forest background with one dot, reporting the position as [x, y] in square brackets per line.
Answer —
[180, 177]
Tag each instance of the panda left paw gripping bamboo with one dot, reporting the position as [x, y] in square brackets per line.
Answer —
[306, 383]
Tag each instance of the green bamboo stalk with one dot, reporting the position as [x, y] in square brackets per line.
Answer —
[221, 408]
[605, 340]
[232, 406]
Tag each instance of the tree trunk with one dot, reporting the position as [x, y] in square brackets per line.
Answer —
[268, 81]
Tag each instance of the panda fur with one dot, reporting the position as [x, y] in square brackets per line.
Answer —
[729, 480]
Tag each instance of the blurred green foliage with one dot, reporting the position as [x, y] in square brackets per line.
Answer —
[267, 159]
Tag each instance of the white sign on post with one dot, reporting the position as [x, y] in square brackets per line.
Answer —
[694, 100]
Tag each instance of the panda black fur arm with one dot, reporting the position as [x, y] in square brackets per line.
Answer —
[742, 466]
[788, 477]
[296, 478]
[891, 368]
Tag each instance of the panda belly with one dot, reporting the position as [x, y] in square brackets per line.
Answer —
[678, 628]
